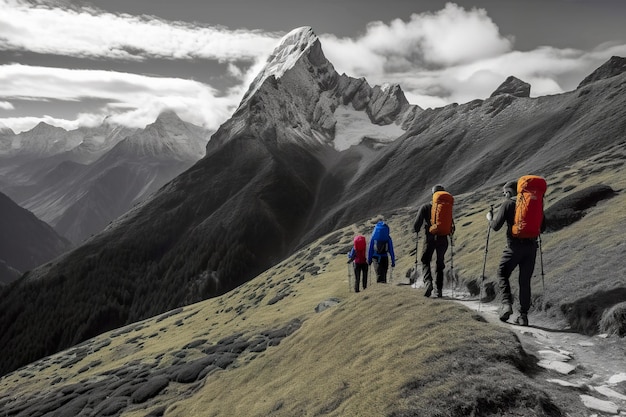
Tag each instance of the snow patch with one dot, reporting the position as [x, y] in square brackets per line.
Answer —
[616, 379]
[353, 126]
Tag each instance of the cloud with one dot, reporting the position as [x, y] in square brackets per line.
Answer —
[134, 100]
[457, 55]
[451, 36]
[5, 105]
[85, 32]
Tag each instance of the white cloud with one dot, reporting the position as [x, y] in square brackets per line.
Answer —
[457, 55]
[89, 33]
[451, 36]
[133, 99]
[5, 105]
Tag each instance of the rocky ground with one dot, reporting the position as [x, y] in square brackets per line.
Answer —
[593, 366]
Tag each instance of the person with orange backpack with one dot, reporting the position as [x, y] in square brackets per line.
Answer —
[522, 210]
[358, 258]
[436, 216]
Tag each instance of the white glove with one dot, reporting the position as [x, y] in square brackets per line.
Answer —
[489, 216]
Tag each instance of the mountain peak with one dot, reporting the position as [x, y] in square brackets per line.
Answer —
[168, 117]
[45, 127]
[290, 49]
[614, 66]
[513, 86]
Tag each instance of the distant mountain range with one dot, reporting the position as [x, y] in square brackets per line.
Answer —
[79, 181]
[307, 151]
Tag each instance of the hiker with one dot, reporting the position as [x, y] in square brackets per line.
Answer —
[381, 247]
[438, 225]
[358, 258]
[520, 250]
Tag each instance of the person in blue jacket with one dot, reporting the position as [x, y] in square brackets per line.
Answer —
[380, 249]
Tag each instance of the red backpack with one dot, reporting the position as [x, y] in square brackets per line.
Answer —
[360, 247]
[529, 207]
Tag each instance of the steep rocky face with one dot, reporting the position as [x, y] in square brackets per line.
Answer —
[299, 91]
[513, 86]
[614, 66]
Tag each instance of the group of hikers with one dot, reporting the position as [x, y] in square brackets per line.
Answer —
[521, 210]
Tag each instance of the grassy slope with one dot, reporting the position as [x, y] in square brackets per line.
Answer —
[385, 351]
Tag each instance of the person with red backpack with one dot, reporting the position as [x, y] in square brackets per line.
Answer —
[359, 261]
[436, 216]
[522, 210]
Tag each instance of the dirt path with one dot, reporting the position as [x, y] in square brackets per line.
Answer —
[594, 366]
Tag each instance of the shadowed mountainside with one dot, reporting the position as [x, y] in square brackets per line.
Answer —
[26, 241]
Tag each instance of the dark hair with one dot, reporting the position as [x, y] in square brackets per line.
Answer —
[438, 187]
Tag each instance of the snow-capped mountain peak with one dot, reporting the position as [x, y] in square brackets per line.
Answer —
[289, 51]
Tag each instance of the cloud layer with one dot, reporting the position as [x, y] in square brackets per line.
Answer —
[450, 55]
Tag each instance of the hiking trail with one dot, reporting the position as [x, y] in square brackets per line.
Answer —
[593, 366]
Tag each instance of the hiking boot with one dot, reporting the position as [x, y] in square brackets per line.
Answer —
[439, 293]
[522, 320]
[429, 288]
[505, 311]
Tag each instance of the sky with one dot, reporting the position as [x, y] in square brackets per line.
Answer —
[75, 63]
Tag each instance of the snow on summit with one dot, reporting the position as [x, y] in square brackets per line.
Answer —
[290, 49]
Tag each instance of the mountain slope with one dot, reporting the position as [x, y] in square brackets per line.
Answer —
[296, 341]
[25, 241]
[273, 179]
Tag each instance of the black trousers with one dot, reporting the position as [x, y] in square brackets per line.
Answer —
[522, 254]
[360, 271]
[382, 265]
[439, 245]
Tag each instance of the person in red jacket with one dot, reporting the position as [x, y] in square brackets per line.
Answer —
[358, 258]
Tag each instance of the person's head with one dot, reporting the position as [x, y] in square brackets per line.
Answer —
[510, 189]
[437, 188]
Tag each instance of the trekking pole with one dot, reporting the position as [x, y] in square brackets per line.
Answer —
[452, 264]
[482, 282]
[543, 283]
[349, 279]
[417, 238]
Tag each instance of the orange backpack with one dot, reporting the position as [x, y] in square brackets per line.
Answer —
[529, 207]
[441, 214]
